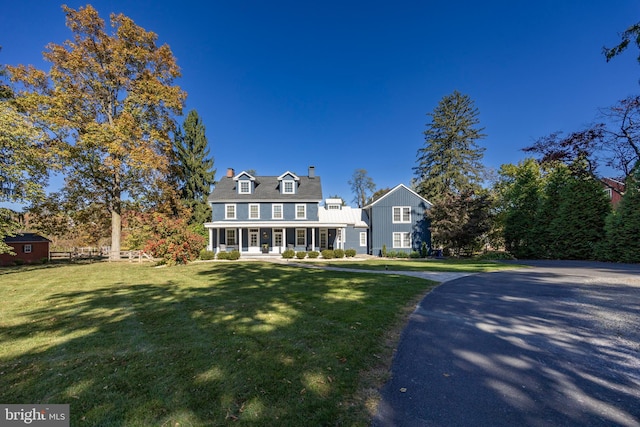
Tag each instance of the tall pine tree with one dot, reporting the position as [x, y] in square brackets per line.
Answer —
[195, 170]
[451, 160]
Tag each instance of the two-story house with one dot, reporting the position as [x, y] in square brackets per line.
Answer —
[270, 214]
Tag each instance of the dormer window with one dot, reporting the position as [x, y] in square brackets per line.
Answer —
[288, 183]
[244, 187]
[245, 182]
[288, 187]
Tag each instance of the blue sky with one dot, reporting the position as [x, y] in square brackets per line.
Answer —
[344, 85]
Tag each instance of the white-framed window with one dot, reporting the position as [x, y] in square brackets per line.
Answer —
[609, 193]
[288, 187]
[230, 211]
[231, 237]
[276, 212]
[244, 187]
[27, 249]
[402, 240]
[401, 214]
[301, 237]
[301, 211]
[254, 211]
[333, 207]
[363, 238]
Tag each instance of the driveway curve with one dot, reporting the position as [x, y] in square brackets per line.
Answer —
[557, 344]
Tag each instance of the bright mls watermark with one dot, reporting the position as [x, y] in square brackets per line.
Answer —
[34, 415]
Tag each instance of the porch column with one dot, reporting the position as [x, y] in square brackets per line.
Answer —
[210, 247]
[239, 239]
[217, 240]
[313, 238]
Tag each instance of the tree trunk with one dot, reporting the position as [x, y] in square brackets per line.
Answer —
[116, 231]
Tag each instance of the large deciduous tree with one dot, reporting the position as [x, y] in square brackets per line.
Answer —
[195, 172]
[362, 186]
[111, 97]
[26, 156]
[450, 162]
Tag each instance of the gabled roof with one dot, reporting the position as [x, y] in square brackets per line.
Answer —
[26, 238]
[295, 177]
[267, 188]
[396, 188]
[243, 173]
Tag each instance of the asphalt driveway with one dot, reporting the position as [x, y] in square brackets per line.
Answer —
[554, 345]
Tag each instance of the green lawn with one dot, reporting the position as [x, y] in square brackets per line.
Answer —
[204, 344]
[448, 265]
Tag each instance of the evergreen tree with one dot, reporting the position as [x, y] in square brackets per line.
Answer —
[579, 224]
[520, 190]
[450, 161]
[623, 225]
[195, 172]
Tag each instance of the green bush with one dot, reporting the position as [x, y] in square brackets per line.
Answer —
[207, 255]
[223, 255]
[234, 255]
[392, 254]
[384, 250]
[415, 254]
[402, 254]
[301, 254]
[288, 254]
[338, 253]
[424, 250]
[328, 254]
[314, 254]
[350, 253]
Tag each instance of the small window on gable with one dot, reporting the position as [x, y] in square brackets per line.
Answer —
[244, 187]
[26, 249]
[401, 214]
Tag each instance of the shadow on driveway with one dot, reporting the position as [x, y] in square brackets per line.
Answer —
[557, 344]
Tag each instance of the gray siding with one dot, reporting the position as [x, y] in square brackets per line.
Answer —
[352, 239]
[242, 211]
[383, 227]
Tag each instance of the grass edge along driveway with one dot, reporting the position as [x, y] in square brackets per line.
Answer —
[204, 344]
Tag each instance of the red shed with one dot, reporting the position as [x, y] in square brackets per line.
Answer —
[29, 247]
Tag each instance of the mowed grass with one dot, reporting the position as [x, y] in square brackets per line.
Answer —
[203, 344]
[447, 265]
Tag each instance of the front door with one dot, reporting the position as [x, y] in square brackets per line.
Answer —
[323, 239]
[254, 244]
[278, 239]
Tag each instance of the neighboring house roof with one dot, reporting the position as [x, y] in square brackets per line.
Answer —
[267, 188]
[396, 188]
[347, 215]
[26, 238]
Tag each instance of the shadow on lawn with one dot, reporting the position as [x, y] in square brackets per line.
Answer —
[276, 346]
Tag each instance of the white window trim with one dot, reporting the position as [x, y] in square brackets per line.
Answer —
[284, 186]
[256, 205]
[363, 238]
[231, 231]
[27, 248]
[404, 244]
[402, 211]
[304, 244]
[226, 211]
[304, 213]
[240, 183]
[273, 211]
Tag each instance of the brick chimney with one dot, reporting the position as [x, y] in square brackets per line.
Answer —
[230, 173]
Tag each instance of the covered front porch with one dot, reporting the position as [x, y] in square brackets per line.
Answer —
[274, 237]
